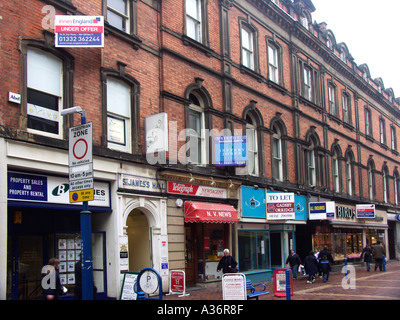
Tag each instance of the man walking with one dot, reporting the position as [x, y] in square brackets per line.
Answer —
[294, 261]
[377, 253]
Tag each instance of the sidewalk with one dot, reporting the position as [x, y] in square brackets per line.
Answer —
[373, 285]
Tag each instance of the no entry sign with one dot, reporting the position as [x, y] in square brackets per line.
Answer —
[81, 163]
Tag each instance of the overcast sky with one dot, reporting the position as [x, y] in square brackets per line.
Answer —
[371, 31]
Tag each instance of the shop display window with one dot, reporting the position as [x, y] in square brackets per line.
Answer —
[253, 250]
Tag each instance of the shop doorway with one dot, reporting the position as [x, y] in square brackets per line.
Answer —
[139, 241]
[190, 266]
[276, 250]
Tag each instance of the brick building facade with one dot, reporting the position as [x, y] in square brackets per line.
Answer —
[317, 126]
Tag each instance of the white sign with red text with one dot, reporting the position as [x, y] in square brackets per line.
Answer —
[195, 190]
[280, 206]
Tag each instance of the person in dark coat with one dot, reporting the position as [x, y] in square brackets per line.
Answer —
[367, 252]
[311, 266]
[78, 282]
[377, 253]
[58, 290]
[325, 259]
[227, 263]
[294, 261]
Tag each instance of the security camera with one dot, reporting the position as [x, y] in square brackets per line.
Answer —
[72, 110]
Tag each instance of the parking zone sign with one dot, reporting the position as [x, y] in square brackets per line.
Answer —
[81, 163]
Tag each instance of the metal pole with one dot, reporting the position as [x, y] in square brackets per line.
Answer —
[383, 263]
[86, 240]
[287, 284]
[345, 265]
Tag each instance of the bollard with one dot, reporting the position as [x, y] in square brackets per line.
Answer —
[383, 263]
[345, 268]
[287, 284]
[140, 296]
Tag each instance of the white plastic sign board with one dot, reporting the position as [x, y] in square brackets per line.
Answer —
[365, 211]
[128, 286]
[234, 286]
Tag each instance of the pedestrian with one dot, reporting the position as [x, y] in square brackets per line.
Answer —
[325, 259]
[316, 255]
[227, 263]
[311, 266]
[367, 252]
[294, 261]
[377, 253]
[78, 282]
[55, 289]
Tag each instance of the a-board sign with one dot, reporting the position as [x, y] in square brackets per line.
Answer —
[280, 282]
[177, 283]
[128, 291]
[234, 286]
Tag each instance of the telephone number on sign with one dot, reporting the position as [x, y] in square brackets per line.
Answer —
[67, 38]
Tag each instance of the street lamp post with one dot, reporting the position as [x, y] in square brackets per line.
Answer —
[86, 230]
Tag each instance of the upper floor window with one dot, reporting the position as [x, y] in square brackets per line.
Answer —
[382, 131]
[368, 122]
[196, 132]
[118, 115]
[371, 179]
[247, 47]
[346, 108]
[307, 83]
[277, 159]
[396, 177]
[44, 93]
[385, 176]
[350, 172]
[273, 63]
[194, 19]
[118, 14]
[332, 100]
[393, 137]
[252, 142]
[336, 171]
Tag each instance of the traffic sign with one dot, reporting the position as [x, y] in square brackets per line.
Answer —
[80, 144]
[81, 163]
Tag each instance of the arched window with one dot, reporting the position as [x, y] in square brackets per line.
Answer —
[385, 182]
[336, 170]
[396, 177]
[277, 158]
[350, 173]
[371, 179]
[196, 132]
[252, 143]
[312, 164]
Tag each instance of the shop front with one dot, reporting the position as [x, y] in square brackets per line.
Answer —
[267, 230]
[202, 215]
[43, 224]
[346, 234]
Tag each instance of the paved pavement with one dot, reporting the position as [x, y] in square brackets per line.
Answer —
[363, 285]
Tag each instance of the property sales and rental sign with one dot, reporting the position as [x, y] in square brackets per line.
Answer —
[79, 31]
[280, 206]
[231, 151]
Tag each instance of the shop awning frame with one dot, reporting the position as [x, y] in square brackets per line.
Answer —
[210, 212]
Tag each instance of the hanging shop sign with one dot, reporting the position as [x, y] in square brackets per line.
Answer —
[156, 128]
[231, 151]
[253, 202]
[322, 210]
[195, 190]
[79, 31]
[365, 211]
[280, 206]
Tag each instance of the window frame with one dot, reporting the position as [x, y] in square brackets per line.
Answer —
[393, 137]
[332, 93]
[131, 17]
[277, 160]
[368, 122]
[252, 128]
[203, 150]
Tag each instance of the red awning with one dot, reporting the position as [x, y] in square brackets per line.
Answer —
[210, 212]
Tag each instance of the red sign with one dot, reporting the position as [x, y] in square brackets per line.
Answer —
[195, 190]
[177, 281]
[280, 282]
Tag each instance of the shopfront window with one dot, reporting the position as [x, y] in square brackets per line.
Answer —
[253, 250]
[354, 245]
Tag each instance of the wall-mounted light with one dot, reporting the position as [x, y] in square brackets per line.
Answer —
[213, 183]
[191, 180]
[231, 185]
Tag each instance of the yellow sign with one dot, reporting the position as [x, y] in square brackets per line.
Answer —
[81, 195]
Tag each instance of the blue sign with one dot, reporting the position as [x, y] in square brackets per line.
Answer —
[253, 202]
[300, 206]
[27, 187]
[231, 151]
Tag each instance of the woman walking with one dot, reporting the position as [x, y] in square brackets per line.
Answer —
[311, 266]
[367, 252]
